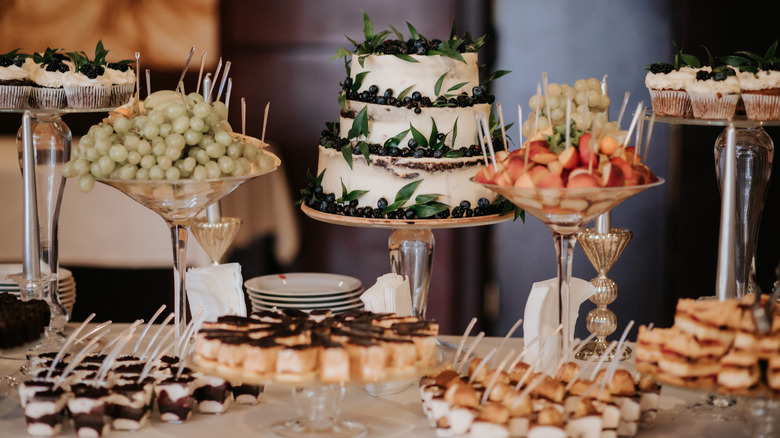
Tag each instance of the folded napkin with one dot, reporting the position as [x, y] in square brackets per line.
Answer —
[541, 316]
[217, 290]
[390, 294]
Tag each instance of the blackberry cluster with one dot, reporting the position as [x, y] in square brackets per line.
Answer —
[326, 203]
[409, 47]
[661, 67]
[6, 61]
[329, 140]
[92, 71]
[416, 100]
[719, 75]
[118, 66]
[57, 64]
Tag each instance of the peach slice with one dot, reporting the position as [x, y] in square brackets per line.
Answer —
[525, 181]
[515, 166]
[569, 158]
[611, 176]
[583, 180]
[537, 173]
[551, 180]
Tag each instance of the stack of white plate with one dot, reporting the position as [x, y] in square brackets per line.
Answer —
[304, 291]
[67, 284]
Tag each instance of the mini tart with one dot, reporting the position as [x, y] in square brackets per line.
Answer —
[761, 94]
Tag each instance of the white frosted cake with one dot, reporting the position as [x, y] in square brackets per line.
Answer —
[407, 122]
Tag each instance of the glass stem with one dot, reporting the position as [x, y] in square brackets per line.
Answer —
[411, 256]
[179, 234]
[564, 247]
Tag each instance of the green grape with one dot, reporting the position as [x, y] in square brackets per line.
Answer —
[147, 161]
[235, 150]
[69, 169]
[580, 98]
[200, 174]
[188, 164]
[144, 147]
[220, 108]
[205, 141]
[197, 124]
[536, 102]
[224, 138]
[604, 102]
[176, 110]
[100, 133]
[127, 172]
[122, 125]
[86, 141]
[134, 157]
[150, 130]
[172, 174]
[142, 174]
[594, 98]
[140, 122]
[244, 165]
[250, 151]
[192, 137]
[594, 84]
[194, 98]
[94, 169]
[175, 141]
[92, 155]
[179, 164]
[201, 110]
[102, 146]
[181, 124]
[118, 153]
[555, 102]
[202, 157]
[226, 164]
[553, 90]
[558, 114]
[213, 170]
[159, 147]
[164, 162]
[213, 119]
[215, 150]
[580, 85]
[81, 167]
[106, 164]
[165, 129]
[266, 163]
[86, 183]
[172, 153]
[131, 142]
[156, 173]
[157, 117]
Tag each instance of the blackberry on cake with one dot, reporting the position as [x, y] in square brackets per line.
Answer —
[14, 80]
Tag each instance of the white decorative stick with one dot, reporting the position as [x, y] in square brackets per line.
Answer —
[470, 350]
[481, 139]
[493, 379]
[183, 361]
[619, 351]
[243, 115]
[223, 81]
[503, 128]
[507, 336]
[622, 109]
[186, 66]
[546, 100]
[148, 82]
[148, 326]
[602, 359]
[154, 357]
[265, 120]
[520, 126]
[77, 359]
[68, 342]
[463, 338]
[200, 72]
[649, 133]
[124, 338]
[568, 122]
[100, 326]
[527, 390]
[189, 329]
[228, 92]
[537, 110]
[482, 364]
[214, 79]
[489, 141]
[639, 129]
[633, 123]
[157, 333]
[136, 323]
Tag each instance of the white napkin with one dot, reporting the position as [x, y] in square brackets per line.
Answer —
[541, 316]
[390, 294]
[217, 290]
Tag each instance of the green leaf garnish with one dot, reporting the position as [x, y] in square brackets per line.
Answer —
[428, 210]
[346, 152]
[413, 31]
[405, 92]
[455, 131]
[359, 125]
[402, 196]
[398, 34]
[405, 57]
[368, 27]
[358, 80]
[457, 86]
[393, 142]
[423, 199]
[497, 74]
[437, 87]
[363, 146]
[433, 140]
[349, 196]
[418, 137]
[341, 53]
[449, 53]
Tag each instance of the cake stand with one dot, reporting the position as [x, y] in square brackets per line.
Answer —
[411, 245]
[743, 155]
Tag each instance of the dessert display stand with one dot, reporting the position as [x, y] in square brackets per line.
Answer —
[411, 245]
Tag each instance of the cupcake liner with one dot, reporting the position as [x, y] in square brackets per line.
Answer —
[671, 103]
[44, 97]
[14, 96]
[120, 94]
[712, 106]
[762, 106]
[87, 97]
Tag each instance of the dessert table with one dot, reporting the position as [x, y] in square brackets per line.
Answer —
[682, 413]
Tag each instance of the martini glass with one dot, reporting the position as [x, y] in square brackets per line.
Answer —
[178, 202]
[565, 212]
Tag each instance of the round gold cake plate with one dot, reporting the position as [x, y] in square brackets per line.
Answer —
[743, 178]
[363, 222]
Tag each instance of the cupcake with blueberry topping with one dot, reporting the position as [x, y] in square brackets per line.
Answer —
[667, 84]
[46, 72]
[715, 94]
[88, 86]
[14, 80]
[759, 80]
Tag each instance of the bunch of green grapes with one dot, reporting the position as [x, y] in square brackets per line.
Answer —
[176, 137]
[557, 94]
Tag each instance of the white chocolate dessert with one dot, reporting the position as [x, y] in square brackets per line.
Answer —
[293, 347]
[408, 116]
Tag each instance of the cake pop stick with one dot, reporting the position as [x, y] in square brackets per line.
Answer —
[493, 380]
[148, 326]
[157, 354]
[527, 390]
[216, 75]
[568, 122]
[605, 91]
[137, 94]
[482, 364]
[124, 338]
[185, 338]
[503, 128]
[633, 123]
[207, 87]
[508, 335]
[486, 128]
[481, 139]
[223, 81]
[470, 350]
[68, 342]
[538, 360]
[463, 338]
[649, 134]
[619, 352]
[601, 360]
[639, 129]
[227, 93]
[520, 126]
[77, 359]
[566, 356]
[265, 120]
[135, 323]
[622, 109]
[183, 362]
[537, 110]
[523, 353]
[100, 326]
[148, 82]
[186, 66]
[243, 116]
[546, 100]
[157, 333]
[200, 71]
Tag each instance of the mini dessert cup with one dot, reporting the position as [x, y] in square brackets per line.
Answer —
[247, 394]
[714, 105]
[45, 412]
[130, 405]
[28, 388]
[14, 96]
[671, 103]
[175, 399]
[212, 394]
[89, 408]
[96, 96]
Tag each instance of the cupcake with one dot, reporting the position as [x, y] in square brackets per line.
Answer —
[715, 94]
[761, 94]
[122, 79]
[88, 86]
[14, 80]
[45, 72]
[667, 84]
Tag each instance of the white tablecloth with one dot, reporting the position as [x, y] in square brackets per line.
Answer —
[398, 415]
[105, 228]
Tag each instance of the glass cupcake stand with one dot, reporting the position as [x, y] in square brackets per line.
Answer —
[743, 164]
